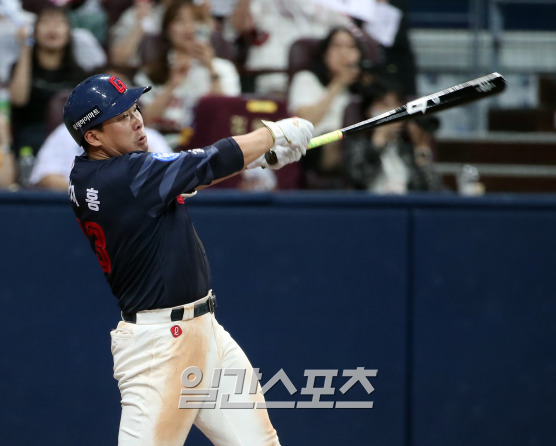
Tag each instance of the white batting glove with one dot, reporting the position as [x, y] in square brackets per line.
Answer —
[284, 154]
[292, 132]
[291, 137]
[259, 180]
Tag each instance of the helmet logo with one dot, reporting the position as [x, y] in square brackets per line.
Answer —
[118, 84]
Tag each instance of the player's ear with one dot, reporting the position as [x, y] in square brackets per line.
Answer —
[91, 138]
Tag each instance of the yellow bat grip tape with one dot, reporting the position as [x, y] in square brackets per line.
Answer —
[321, 140]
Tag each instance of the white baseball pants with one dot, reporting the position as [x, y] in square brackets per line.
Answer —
[149, 360]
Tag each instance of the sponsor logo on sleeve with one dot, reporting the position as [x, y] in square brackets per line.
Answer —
[165, 156]
[197, 152]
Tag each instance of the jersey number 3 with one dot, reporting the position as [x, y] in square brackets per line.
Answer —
[95, 233]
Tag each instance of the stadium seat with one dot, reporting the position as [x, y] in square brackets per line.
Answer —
[218, 117]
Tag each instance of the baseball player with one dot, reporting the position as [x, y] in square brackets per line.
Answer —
[130, 205]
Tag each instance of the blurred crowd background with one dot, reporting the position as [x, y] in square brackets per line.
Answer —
[218, 67]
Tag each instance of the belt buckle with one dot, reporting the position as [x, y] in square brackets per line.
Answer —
[211, 303]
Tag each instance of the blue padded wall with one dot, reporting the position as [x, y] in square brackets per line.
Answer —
[450, 299]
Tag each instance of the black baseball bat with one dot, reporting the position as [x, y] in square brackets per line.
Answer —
[460, 94]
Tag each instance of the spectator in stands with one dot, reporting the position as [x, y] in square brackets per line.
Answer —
[269, 27]
[89, 15]
[183, 73]
[395, 158]
[55, 158]
[143, 18]
[12, 18]
[321, 96]
[15, 21]
[46, 65]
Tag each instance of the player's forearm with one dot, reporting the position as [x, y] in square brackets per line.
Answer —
[254, 144]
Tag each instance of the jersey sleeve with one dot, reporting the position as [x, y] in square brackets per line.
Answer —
[158, 178]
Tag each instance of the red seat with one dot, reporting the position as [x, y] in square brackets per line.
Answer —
[302, 55]
[218, 117]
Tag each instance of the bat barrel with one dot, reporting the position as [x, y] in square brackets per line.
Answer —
[461, 94]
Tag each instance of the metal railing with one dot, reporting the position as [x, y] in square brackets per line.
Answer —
[477, 42]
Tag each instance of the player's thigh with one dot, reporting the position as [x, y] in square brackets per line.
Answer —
[149, 369]
[236, 420]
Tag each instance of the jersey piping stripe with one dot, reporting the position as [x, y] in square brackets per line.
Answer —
[169, 178]
[142, 176]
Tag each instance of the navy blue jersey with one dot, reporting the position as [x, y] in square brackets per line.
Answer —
[131, 210]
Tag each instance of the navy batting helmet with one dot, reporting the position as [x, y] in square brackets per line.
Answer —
[95, 100]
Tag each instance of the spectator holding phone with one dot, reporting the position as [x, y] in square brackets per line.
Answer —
[45, 66]
[394, 158]
[184, 72]
[321, 96]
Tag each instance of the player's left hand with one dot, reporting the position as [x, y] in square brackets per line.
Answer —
[293, 132]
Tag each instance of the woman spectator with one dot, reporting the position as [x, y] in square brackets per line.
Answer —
[184, 72]
[46, 65]
[321, 96]
[395, 158]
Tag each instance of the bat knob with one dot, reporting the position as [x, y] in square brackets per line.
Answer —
[271, 157]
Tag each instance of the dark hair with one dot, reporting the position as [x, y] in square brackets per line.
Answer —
[378, 90]
[69, 64]
[428, 123]
[159, 69]
[320, 69]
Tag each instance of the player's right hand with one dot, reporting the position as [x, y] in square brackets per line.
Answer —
[284, 155]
